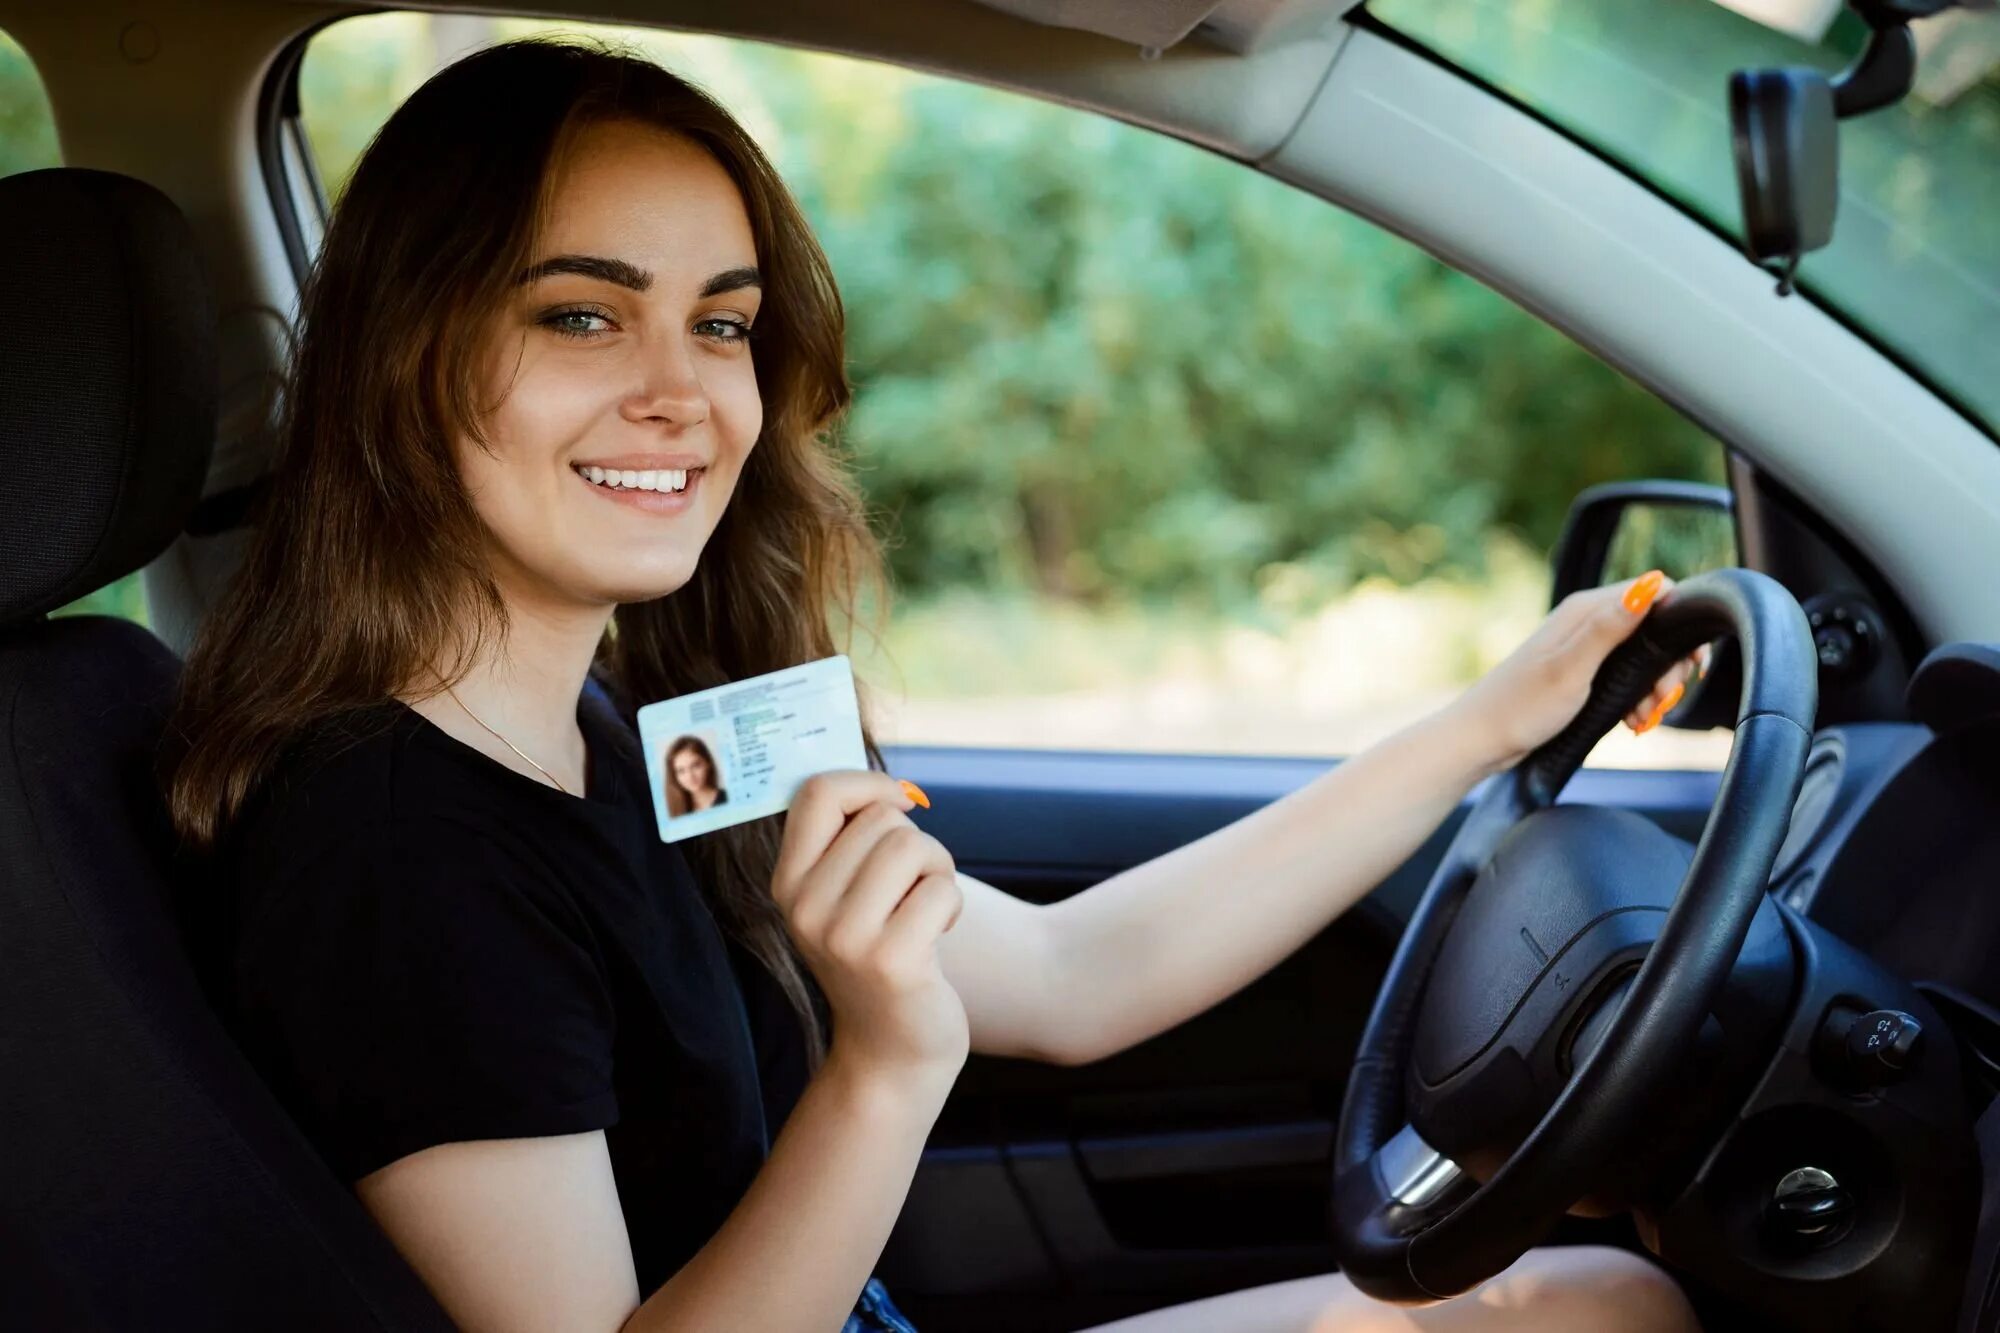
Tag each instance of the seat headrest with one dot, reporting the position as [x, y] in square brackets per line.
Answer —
[107, 382]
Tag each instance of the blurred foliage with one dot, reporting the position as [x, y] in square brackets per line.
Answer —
[1094, 363]
[27, 129]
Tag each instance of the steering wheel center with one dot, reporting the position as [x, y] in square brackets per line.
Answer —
[1537, 963]
[1569, 903]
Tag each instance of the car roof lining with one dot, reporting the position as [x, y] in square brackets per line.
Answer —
[1237, 82]
[1234, 25]
[1154, 23]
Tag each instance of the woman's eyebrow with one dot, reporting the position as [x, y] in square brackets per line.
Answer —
[732, 279]
[589, 266]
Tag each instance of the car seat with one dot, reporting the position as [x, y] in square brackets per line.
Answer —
[148, 1179]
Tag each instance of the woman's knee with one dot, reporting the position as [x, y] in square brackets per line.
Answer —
[1591, 1287]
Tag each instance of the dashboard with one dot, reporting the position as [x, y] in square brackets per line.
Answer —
[1894, 844]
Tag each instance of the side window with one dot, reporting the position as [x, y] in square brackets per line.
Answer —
[1170, 456]
[27, 126]
[28, 143]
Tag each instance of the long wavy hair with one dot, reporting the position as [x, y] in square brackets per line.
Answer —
[367, 567]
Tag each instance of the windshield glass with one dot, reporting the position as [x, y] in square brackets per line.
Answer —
[1915, 259]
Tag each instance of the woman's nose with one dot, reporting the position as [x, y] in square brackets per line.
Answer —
[671, 392]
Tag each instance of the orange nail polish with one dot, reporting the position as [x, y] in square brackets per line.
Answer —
[1665, 706]
[914, 792]
[1642, 592]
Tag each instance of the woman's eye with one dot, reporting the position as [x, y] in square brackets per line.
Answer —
[724, 330]
[577, 323]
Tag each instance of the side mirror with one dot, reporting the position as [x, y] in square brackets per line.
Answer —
[1621, 530]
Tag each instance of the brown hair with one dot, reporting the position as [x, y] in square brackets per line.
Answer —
[367, 565]
[679, 799]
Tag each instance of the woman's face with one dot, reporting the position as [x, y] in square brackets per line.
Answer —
[627, 401]
[691, 771]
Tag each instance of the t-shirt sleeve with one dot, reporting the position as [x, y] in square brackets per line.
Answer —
[423, 986]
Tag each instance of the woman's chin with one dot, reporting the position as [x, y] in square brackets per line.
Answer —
[643, 584]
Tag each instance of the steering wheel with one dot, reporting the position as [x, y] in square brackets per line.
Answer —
[1511, 1007]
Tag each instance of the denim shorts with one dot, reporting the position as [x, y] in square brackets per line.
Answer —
[876, 1313]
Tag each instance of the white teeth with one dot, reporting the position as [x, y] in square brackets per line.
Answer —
[661, 479]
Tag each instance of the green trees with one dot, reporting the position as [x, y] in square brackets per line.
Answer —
[1093, 362]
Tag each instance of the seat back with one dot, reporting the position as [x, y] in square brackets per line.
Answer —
[148, 1179]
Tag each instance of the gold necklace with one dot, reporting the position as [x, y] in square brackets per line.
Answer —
[504, 741]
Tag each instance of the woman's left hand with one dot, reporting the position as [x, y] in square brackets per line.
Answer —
[1541, 685]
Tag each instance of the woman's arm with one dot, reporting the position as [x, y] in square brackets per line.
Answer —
[1146, 949]
[1100, 971]
[527, 1234]
[1164, 941]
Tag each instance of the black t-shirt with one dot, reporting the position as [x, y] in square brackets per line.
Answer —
[421, 945]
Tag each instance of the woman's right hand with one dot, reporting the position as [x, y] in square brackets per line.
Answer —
[866, 895]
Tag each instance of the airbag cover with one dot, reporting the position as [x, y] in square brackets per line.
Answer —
[1555, 875]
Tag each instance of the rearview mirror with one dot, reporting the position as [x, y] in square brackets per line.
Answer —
[1787, 160]
[1786, 142]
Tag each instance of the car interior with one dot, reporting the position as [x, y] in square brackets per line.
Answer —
[1744, 1020]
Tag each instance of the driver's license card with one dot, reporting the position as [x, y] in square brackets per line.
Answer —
[721, 756]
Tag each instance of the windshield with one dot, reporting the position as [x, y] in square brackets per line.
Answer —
[1915, 259]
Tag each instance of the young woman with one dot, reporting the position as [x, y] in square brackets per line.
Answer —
[558, 399]
[691, 781]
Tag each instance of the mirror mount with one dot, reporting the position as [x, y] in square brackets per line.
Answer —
[1886, 69]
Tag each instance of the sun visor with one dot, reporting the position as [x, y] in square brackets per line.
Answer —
[1153, 23]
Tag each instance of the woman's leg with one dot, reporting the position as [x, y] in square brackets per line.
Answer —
[1563, 1289]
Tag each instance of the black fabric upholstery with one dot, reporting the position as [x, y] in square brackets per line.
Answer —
[107, 382]
[163, 1185]
[148, 1179]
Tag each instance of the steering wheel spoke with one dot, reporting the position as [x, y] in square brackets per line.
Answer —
[1415, 1175]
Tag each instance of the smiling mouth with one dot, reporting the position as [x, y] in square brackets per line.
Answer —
[664, 480]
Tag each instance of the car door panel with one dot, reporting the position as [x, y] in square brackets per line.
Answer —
[1196, 1161]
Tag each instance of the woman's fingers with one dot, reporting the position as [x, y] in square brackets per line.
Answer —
[897, 861]
[929, 909]
[1668, 691]
[1590, 622]
[1608, 615]
[819, 814]
[818, 898]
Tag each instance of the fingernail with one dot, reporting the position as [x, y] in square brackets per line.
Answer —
[1665, 706]
[1642, 592]
[914, 792]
